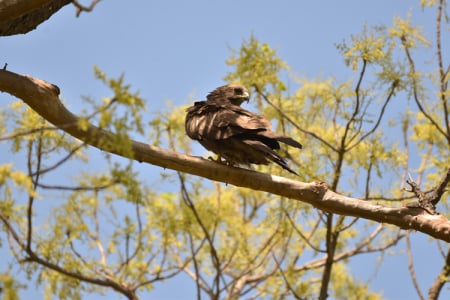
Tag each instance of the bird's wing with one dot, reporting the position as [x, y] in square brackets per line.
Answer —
[235, 120]
[240, 120]
[221, 121]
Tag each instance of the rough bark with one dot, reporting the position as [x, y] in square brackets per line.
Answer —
[43, 97]
[22, 16]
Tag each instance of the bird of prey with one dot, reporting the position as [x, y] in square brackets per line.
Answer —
[239, 136]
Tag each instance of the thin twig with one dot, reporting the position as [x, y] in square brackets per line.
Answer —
[442, 75]
[357, 106]
[428, 201]
[415, 91]
[27, 132]
[411, 267]
[81, 8]
[292, 122]
[380, 117]
[75, 188]
[285, 279]
[60, 162]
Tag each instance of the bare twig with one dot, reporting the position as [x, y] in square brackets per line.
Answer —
[442, 76]
[286, 280]
[81, 8]
[300, 233]
[27, 132]
[428, 201]
[356, 110]
[416, 94]
[411, 267]
[292, 122]
[380, 117]
[60, 162]
[360, 248]
[74, 188]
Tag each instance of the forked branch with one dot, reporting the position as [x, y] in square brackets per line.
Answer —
[428, 201]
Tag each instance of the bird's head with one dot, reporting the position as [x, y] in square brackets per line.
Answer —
[232, 93]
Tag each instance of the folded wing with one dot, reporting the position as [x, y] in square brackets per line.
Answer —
[239, 136]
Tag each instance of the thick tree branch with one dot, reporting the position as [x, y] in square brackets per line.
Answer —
[19, 16]
[43, 98]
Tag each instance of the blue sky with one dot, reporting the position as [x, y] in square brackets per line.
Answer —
[176, 50]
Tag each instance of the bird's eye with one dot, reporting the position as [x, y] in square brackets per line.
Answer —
[238, 91]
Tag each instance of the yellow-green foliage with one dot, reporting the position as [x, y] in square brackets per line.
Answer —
[10, 287]
[348, 287]
[410, 35]
[256, 64]
[118, 224]
[369, 46]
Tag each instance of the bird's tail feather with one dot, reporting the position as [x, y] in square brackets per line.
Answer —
[289, 141]
[280, 138]
[272, 155]
[284, 165]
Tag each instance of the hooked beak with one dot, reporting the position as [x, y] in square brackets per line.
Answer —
[246, 97]
[238, 99]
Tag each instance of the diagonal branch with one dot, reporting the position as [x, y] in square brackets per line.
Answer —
[80, 7]
[43, 98]
[442, 75]
[380, 116]
[416, 93]
[441, 279]
[19, 17]
[411, 268]
[355, 113]
[310, 133]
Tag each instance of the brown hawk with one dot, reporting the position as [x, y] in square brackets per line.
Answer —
[235, 134]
